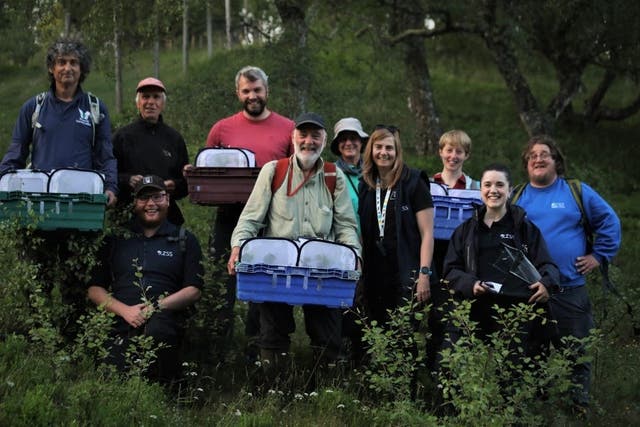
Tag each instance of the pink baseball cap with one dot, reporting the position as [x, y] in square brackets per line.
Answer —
[150, 81]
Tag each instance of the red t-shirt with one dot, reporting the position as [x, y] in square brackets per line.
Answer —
[269, 139]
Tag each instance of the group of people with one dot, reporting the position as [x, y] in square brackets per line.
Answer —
[380, 207]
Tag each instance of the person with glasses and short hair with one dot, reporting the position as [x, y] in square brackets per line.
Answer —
[551, 205]
[149, 277]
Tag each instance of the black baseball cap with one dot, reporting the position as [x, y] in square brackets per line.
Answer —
[310, 118]
[149, 181]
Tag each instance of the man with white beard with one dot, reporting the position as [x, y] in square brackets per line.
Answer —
[302, 206]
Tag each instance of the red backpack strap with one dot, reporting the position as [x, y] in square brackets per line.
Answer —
[330, 176]
[281, 171]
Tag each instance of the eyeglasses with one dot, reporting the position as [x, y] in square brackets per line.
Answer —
[541, 156]
[156, 197]
[390, 128]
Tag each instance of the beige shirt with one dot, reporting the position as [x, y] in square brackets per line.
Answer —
[312, 212]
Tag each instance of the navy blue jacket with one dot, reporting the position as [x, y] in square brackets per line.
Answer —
[65, 138]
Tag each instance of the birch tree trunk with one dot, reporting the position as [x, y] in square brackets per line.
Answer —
[185, 36]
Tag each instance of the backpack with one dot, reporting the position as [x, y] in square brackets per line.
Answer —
[281, 172]
[94, 107]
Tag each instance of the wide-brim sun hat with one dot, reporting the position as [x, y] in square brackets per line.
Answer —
[350, 124]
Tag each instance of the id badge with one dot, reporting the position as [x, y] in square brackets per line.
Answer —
[380, 245]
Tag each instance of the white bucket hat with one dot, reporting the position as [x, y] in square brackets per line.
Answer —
[348, 124]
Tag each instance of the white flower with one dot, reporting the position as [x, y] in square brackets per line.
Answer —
[185, 363]
[298, 396]
[154, 417]
[328, 391]
[313, 394]
[199, 389]
[237, 413]
[11, 383]
[340, 406]
[250, 394]
[271, 391]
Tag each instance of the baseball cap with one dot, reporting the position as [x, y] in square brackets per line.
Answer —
[150, 81]
[310, 118]
[348, 124]
[149, 181]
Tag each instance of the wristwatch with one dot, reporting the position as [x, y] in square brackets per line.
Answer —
[426, 270]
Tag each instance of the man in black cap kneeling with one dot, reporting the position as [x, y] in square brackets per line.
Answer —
[148, 279]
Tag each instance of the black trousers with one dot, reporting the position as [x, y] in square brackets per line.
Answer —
[166, 328]
[322, 324]
[571, 309]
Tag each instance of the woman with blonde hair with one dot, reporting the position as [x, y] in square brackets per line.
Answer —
[396, 217]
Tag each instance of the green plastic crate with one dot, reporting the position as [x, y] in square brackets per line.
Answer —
[53, 211]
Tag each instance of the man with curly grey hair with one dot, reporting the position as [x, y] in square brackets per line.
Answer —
[65, 126]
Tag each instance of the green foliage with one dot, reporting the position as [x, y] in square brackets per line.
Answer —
[392, 352]
[496, 382]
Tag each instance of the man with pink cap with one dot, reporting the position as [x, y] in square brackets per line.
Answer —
[150, 147]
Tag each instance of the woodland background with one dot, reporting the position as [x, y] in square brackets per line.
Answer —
[500, 70]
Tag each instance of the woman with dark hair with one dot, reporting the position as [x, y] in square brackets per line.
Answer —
[396, 218]
[471, 268]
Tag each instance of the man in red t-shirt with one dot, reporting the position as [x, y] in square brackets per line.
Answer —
[268, 135]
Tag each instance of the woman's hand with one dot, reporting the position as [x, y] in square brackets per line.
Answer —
[478, 289]
[540, 295]
[423, 288]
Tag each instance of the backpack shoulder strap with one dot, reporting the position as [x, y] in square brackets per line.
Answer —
[36, 113]
[94, 106]
[280, 173]
[330, 176]
[576, 191]
[181, 238]
[516, 193]
[94, 109]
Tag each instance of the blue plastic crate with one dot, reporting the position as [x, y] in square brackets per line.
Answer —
[450, 212]
[296, 285]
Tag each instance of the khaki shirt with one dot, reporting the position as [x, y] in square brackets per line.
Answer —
[312, 212]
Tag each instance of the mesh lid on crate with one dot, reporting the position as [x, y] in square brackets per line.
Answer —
[329, 255]
[24, 180]
[72, 180]
[467, 194]
[437, 189]
[226, 157]
[269, 250]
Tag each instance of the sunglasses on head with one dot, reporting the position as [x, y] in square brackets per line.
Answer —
[390, 128]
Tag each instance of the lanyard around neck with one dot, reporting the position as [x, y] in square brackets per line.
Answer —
[381, 210]
[289, 184]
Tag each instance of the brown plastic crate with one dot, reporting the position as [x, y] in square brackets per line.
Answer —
[220, 186]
